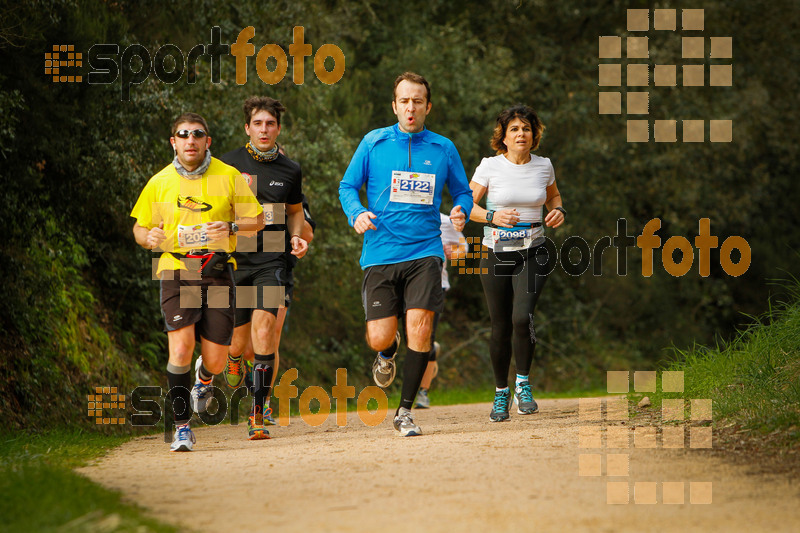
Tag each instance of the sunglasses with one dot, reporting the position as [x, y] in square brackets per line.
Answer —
[184, 134]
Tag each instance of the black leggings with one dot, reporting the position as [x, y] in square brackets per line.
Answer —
[512, 284]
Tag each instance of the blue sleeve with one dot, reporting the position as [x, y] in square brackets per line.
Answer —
[457, 182]
[354, 178]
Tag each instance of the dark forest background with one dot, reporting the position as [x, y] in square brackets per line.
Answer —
[79, 308]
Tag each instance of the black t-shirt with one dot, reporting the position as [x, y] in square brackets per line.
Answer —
[275, 183]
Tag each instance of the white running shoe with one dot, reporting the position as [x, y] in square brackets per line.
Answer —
[383, 369]
[183, 440]
[404, 423]
[423, 402]
[201, 394]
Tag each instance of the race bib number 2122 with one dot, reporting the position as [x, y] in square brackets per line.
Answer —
[412, 187]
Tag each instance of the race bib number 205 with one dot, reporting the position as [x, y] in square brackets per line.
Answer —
[194, 236]
[412, 187]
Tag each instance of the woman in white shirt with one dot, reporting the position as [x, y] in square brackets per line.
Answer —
[517, 184]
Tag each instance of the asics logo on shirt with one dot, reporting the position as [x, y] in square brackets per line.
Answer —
[192, 204]
[278, 183]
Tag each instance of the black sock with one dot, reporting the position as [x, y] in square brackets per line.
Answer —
[413, 371]
[204, 375]
[180, 383]
[262, 380]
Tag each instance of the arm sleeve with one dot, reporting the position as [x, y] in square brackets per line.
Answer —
[457, 182]
[353, 180]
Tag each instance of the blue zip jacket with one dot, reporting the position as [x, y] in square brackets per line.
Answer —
[405, 231]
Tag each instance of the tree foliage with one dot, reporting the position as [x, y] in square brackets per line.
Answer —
[80, 307]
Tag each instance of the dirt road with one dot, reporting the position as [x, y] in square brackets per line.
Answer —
[463, 474]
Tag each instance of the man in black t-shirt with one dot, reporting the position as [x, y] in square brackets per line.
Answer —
[262, 267]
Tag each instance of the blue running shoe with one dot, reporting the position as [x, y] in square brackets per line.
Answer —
[523, 399]
[183, 440]
[500, 406]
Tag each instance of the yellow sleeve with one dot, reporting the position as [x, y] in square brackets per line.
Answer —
[245, 204]
[143, 209]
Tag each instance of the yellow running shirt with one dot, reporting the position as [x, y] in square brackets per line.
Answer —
[185, 206]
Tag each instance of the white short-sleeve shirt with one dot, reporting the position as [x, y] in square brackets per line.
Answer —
[521, 187]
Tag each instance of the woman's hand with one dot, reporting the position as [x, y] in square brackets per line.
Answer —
[554, 219]
[505, 218]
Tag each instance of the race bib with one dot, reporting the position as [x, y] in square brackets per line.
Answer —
[194, 236]
[412, 187]
[504, 240]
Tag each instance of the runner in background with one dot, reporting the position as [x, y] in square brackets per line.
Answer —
[277, 182]
[454, 245]
[233, 378]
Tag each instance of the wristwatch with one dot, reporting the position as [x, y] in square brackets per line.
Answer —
[234, 228]
[563, 211]
[489, 216]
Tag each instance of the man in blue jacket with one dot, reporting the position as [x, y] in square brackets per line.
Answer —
[405, 168]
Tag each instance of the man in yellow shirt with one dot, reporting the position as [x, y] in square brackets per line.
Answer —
[191, 211]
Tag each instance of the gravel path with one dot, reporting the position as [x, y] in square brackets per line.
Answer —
[463, 474]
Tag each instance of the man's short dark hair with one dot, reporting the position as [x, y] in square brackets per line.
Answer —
[526, 114]
[413, 78]
[189, 117]
[262, 103]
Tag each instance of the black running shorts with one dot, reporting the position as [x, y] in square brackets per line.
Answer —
[391, 290]
[262, 288]
[207, 303]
